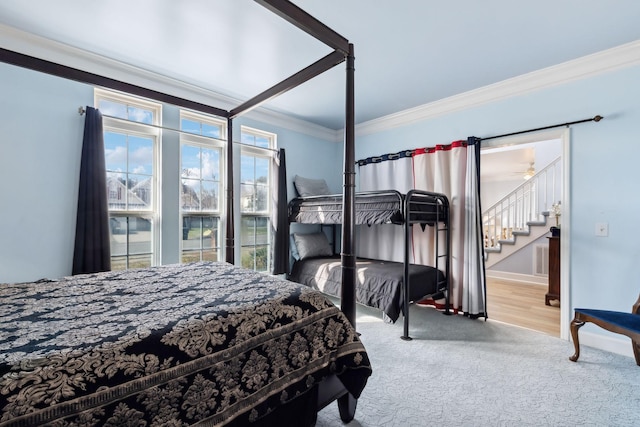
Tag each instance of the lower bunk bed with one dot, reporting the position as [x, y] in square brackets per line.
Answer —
[203, 343]
[379, 283]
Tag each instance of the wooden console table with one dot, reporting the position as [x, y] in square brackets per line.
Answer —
[554, 270]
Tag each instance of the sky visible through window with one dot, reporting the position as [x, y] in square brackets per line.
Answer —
[254, 169]
[127, 154]
[200, 174]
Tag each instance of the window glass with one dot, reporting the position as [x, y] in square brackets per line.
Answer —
[130, 147]
[131, 242]
[200, 174]
[190, 126]
[122, 109]
[255, 178]
[200, 238]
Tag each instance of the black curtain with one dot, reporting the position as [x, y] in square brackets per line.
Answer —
[92, 250]
[280, 220]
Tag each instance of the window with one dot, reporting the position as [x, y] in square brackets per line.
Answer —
[131, 140]
[200, 189]
[255, 208]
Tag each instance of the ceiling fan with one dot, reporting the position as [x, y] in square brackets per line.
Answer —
[529, 172]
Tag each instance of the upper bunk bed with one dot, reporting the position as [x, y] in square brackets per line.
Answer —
[372, 207]
[341, 51]
[381, 284]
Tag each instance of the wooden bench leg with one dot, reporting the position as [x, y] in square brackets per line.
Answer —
[575, 325]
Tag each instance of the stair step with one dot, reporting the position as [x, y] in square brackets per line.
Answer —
[507, 241]
[494, 249]
[536, 223]
[521, 232]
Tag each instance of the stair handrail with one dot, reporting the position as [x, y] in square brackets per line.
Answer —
[527, 203]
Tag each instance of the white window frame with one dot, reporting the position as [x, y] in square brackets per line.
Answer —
[201, 141]
[153, 131]
[265, 153]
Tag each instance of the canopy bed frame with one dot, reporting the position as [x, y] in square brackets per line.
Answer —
[343, 51]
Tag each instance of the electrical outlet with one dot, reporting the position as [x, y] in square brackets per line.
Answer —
[602, 229]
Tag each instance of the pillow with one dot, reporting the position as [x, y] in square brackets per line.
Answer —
[310, 187]
[293, 248]
[312, 245]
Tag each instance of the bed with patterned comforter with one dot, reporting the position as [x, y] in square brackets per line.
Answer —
[203, 343]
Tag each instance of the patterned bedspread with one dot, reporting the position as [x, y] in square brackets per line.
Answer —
[173, 345]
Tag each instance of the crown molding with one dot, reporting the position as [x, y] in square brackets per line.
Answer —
[591, 65]
[60, 53]
[587, 66]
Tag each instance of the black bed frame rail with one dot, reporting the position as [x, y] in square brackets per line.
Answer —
[337, 199]
[441, 224]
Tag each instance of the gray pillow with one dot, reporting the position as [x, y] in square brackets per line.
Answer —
[310, 187]
[294, 249]
[312, 245]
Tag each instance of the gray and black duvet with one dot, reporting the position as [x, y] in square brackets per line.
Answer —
[378, 283]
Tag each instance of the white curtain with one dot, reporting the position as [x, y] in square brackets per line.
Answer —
[449, 169]
[452, 170]
[384, 241]
[474, 281]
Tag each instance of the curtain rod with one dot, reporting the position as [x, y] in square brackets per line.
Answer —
[406, 153]
[81, 111]
[594, 119]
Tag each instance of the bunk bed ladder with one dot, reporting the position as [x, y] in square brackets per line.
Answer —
[447, 258]
[441, 225]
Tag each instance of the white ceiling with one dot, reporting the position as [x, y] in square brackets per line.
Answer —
[408, 52]
[508, 163]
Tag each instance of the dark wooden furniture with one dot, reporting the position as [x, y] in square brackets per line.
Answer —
[554, 270]
[614, 321]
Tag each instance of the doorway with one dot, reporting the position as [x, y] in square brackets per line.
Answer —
[517, 280]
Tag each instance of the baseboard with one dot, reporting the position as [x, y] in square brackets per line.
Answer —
[613, 343]
[518, 277]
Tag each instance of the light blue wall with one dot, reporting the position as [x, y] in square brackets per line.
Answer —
[604, 156]
[40, 147]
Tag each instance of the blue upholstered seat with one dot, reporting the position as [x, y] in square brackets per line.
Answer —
[615, 321]
[624, 320]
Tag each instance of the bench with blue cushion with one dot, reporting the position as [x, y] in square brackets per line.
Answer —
[615, 321]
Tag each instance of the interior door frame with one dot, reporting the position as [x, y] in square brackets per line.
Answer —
[564, 135]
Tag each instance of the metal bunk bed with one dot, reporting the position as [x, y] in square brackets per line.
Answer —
[343, 51]
[376, 277]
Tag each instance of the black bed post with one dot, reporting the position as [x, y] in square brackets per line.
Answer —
[405, 282]
[229, 249]
[348, 297]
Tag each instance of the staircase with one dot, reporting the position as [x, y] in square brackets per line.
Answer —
[522, 216]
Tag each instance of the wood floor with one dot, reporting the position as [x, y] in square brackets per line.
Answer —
[522, 304]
